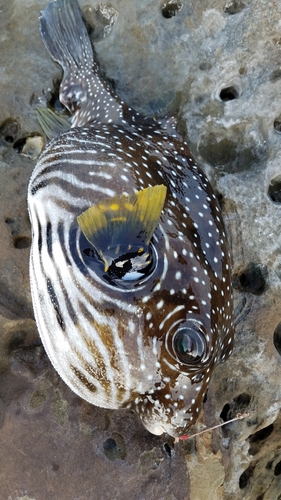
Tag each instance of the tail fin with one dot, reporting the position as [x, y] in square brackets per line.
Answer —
[66, 39]
[65, 36]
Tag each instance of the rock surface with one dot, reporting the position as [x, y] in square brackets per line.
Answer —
[218, 63]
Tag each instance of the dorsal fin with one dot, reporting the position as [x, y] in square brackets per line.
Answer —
[123, 223]
[52, 123]
[66, 39]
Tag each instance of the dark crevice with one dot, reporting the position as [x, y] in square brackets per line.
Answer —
[21, 242]
[251, 279]
[277, 338]
[237, 406]
[246, 476]
[229, 93]
[274, 188]
[171, 8]
[262, 434]
[277, 469]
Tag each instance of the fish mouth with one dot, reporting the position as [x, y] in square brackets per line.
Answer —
[157, 429]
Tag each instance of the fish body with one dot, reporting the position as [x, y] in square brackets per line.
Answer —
[145, 327]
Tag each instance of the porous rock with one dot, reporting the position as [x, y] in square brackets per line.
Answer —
[218, 65]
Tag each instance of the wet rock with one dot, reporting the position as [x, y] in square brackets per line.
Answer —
[220, 68]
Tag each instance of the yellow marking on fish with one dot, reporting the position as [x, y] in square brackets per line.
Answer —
[129, 206]
[118, 219]
[136, 218]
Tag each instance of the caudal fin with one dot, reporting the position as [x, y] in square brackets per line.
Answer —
[65, 36]
[66, 39]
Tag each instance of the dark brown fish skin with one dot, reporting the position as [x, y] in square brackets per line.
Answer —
[187, 297]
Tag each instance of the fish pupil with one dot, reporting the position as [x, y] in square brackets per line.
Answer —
[131, 266]
[189, 345]
[127, 269]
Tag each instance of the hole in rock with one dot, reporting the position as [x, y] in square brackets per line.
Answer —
[171, 8]
[99, 21]
[115, 447]
[260, 497]
[9, 130]
[110, 449]
[277, 469]
[220, 199]
[277, 124]
[167, 449]
[233, 7]
[31, 357]
[274, 189]
[251, 279]
[257, 439]
[16, 343]
[269, 465]
[22, 242]
[229, 93]
[277, 338]
[246, 476]
[262, 434]
[224, 412]
[53, 99]
[237, 405]
[9, 220]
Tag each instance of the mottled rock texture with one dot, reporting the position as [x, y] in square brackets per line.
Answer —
[219, 65]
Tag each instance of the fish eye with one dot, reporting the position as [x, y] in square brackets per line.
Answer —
[189, 345]
[128, 270]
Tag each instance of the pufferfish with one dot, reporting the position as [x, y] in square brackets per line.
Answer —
[129, 265]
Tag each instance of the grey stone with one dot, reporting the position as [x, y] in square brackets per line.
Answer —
[217, 64]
